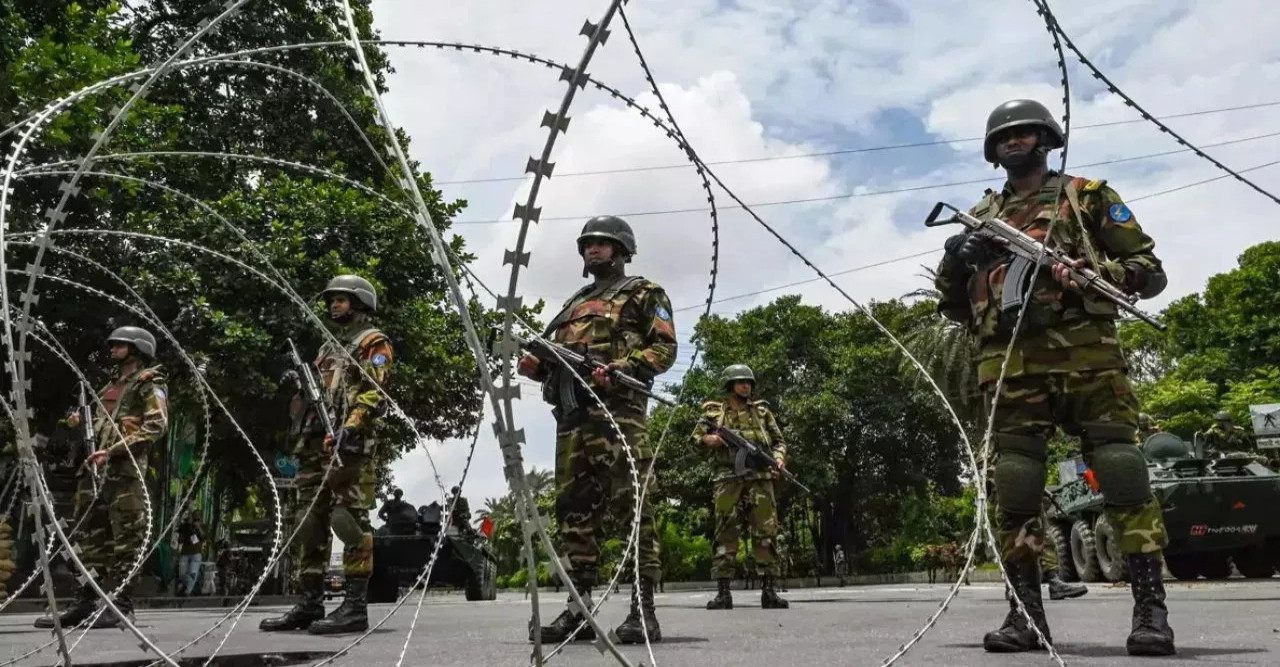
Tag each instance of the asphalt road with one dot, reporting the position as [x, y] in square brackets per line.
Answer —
[1221, 623]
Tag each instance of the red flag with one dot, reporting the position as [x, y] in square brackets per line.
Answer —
[486, 527]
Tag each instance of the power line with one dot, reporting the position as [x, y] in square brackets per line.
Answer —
[844, 151]
[853, 195]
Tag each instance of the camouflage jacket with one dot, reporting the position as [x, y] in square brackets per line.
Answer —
[627, 321]
[136, 416]
[1063, 331]
[1144, 433]
[352, 399]
[1219, 440]
[752, 420]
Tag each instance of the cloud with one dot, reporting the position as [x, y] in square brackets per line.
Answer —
[758, 79]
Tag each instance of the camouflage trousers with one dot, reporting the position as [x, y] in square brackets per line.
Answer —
[342, 507]
[114, 528]
[7, 564]
[1100, 408]
[752, 500]
[594, 479]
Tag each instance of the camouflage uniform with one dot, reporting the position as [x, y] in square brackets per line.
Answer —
[134, 414]
[1225, 437]
[749, 495]
[1066, 369]
[1147, 427]
[625, 320]
[347, 495]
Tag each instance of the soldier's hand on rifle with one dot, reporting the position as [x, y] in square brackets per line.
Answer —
[1060, 274]
[970, 248]
[528, 366]
[601, 374]
[712, 440]
[777, 472]
[73, 420]
[99, 457]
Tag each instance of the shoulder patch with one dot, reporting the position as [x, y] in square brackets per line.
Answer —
[1094, 185]
[160, 393]
[1119, 213]
[379, 360]
[662, 313]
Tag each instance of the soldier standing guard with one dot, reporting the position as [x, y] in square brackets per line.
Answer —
[749, 495]
[1066, 368]
[348, 494]
[1225, 437]
[134, 415]
[624, 322]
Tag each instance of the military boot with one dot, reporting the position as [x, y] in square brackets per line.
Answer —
[1151, 633]
[1016, 635]
[631, 631]
[85, 604]
[124, 602]
[768, 597]
[308, 609]
[1061, 590]
[723, 598]
[352, 615]
[563, 625]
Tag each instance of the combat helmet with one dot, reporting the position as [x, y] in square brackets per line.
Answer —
[1164, 446]
[1144, 420]
[1015, 113]
[355, 286]
[1222, 416]
[735, 373]
[139, 338]
[610, 228]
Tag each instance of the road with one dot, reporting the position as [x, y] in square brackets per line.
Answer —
[1220, 623]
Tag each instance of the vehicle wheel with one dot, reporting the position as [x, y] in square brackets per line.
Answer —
[1110, 560]
[1061, 539]
[1215, 566]
[1253, 563]
[1084, 552]
[483, 585]
[1183, 568]
[382, 588]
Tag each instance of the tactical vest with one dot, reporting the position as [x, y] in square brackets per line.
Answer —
[340, 377]
[125, 408]
[1072, 234]
[749, 422]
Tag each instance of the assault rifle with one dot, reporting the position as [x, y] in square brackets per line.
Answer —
[558, 355]
[87, 438]
[309, 387]
[748, 455]
[1028, 252]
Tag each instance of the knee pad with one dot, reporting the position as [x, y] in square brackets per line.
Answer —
[1019, 481]
[346, 527]
[1122, 474]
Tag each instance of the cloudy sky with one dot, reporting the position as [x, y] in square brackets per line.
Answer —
[807, 104]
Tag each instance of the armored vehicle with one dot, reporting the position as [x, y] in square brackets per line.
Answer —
[401, 551]
[1218, 511]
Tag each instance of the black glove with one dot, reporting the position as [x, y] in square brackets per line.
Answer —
[347, 441]
[971, 249]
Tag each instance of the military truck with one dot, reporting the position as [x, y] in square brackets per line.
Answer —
[1218, 512]
[401, 551]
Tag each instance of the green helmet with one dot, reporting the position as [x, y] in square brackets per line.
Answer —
[610, 228]
[1015, 113]
[1222, 416]
[735, 373]
[139, 338]
[1165, 446]
[355, 286]
[1144, 419]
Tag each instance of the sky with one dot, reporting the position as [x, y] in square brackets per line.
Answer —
[809, 104]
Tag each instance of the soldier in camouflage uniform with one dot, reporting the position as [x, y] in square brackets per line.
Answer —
[347, 495]
[1224, 437]
[1147, 427]
[1066, 369]
[115, 529]
[624, 322]
[747, 497]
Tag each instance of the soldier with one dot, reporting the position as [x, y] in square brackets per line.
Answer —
[743, 498]
[134, 416]
[346, 496]
[461, 517]
[624, 322]
[1066, 369]
[1147, 427]
[1225, 437]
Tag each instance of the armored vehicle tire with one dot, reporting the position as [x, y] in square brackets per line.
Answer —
[1253, 563]
[1215, 566]
[1183, 567]
[1084, 552]
[1112, 563]
[1059, 534]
